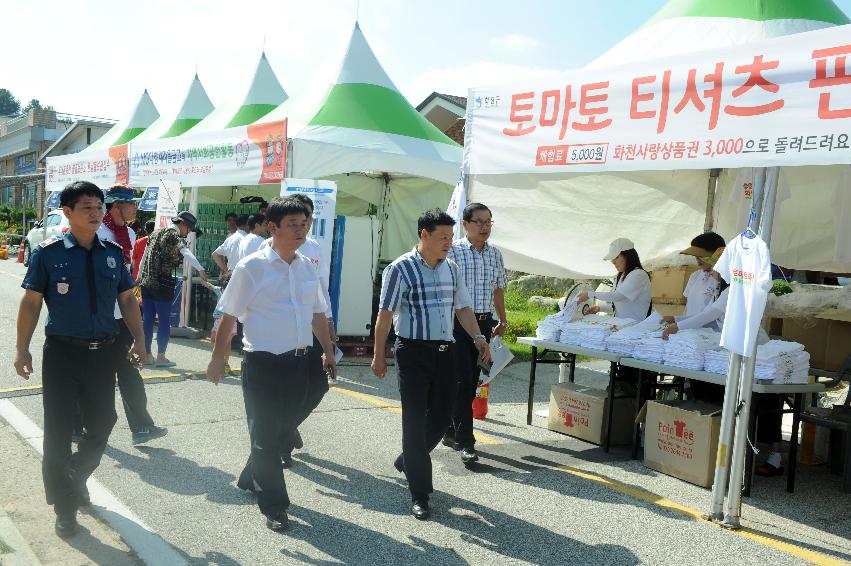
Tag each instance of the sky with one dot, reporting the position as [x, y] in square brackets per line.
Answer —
[95, 57]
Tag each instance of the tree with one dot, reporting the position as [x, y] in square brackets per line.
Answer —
[33, 104]
[8, 103]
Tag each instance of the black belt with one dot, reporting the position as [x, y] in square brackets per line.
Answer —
[483, 316]
[88, 343]
[439, 345]
[296, 353]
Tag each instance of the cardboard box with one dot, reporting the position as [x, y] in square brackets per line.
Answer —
[827, 338]
[681, 439]
[580, 411]
[669, 310]
[667, 284]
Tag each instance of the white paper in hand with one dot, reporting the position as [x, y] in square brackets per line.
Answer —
[338, 354]
[500, 356]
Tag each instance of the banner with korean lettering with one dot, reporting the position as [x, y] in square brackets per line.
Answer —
[785, 101]
[104, 168]
[247, 155]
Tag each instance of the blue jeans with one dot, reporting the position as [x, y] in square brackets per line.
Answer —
[156, 305]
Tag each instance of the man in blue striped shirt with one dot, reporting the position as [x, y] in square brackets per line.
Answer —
[484, 273]
[423, 292]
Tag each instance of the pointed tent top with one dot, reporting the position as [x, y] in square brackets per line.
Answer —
[265, 87]
[196, 105]
[357, 26]
[144, 114]
[360, 64]
[685, 26]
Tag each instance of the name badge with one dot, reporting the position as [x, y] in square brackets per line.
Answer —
[110, 261]
[62, 288]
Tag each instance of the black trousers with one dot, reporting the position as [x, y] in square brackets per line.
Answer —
[73, 375]
[316, 390]
[467, 368]
[427, 387]
[274, 388]
[130, 384]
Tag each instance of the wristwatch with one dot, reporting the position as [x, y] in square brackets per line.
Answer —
[479, 337]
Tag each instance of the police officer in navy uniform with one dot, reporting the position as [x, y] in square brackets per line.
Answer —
[79, 277]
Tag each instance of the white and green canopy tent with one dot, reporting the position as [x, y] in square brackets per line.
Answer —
[196, 106]
[662, 210]
[357, 129]
[263, 95]
[143, 115]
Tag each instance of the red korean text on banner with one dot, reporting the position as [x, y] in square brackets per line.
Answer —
[754, 71]
[691, 95]
[823, 80]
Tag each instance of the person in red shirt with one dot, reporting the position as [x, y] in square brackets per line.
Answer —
[139, 248]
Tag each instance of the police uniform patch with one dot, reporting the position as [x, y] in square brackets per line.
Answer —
[49, 241]
[110, 261]
[62, 288]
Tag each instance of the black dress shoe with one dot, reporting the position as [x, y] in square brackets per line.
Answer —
[66, 524]
[468, 456]
[278, 522]
[287, 460]
[297, 442]
[450, 442]
[420, 510]
[399, 464]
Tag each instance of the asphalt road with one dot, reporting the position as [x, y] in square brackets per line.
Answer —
[536, 497]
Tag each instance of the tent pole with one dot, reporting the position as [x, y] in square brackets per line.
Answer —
[733, 510]
[382, 212]
[727, 448]
[186, 296]
[711, 189]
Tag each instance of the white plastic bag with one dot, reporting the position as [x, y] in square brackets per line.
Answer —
[500, 355]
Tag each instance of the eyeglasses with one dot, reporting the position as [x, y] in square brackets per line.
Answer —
[482, 223]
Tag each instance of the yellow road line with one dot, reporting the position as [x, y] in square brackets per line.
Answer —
[20, 388]
[759, 537]
[384, 404]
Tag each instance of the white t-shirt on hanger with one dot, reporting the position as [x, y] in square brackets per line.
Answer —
[746, 266]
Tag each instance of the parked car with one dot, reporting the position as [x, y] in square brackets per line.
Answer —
[54, 224]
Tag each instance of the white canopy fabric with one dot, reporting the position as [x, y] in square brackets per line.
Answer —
[143, 115]
[196, 106]
[561, 224]
[354, 119]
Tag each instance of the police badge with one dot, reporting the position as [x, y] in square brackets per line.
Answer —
[62, 288]
[110, 261]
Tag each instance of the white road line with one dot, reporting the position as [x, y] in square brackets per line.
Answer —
[147, 544]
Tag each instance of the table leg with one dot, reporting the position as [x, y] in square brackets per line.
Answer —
[797, 407]
[636, 433]
[749, 463]
[572, 373]
[531, 385]
[613, 370]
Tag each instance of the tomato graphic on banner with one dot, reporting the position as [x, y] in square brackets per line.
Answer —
[271, 138]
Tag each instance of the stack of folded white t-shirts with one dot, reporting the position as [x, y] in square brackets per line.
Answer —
[550, 328]
[716, 361]
[779, 361]
[598, 328]
[687, 348]
[570, 332]
[650, 348]
[624, 340]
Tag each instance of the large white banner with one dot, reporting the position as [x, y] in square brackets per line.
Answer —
[785, 101]
[104, 168]
[247, 155]
[324, 197]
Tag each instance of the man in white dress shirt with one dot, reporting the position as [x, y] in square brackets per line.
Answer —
[226, 255]
[255, 237]
[276, 293]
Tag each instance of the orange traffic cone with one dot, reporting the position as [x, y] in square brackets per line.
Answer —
[21, 254]
[480, 402]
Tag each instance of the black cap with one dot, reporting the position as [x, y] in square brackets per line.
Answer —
[189, 219]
